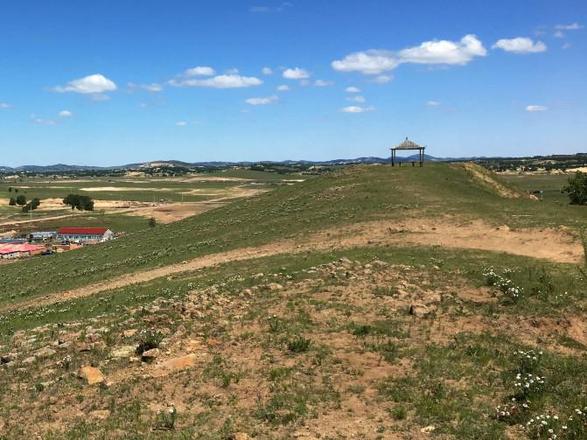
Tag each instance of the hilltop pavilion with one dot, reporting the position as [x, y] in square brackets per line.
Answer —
[408, 145]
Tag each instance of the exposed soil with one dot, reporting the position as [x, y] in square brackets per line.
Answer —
[556, 245]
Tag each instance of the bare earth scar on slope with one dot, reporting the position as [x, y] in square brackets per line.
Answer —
[556, 245]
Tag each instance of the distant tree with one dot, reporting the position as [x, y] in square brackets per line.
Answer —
[12, 201]
[35, 203]
[152, 222]
[15, 190]
[9, 189]
[21, 200]
[79, 202]
[577, 189]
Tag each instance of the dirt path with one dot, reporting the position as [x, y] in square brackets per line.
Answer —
[548, 244]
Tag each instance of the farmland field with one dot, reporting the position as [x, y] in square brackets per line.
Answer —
[368, 302]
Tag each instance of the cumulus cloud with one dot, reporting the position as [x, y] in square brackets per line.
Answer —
[4, 105]
[432, 103]
[65, 114]
[569, 27]
[267, 71]
[296, 73]
[520, 45]
[536, 108]
[444, 51]
[376, 62]
[352, 89]
[356, 109]
[181, 123]
[200, 71]
[371, 62]
[91, 84]
[322, 83]
[283, 88]
[218, 82]
[262, 101]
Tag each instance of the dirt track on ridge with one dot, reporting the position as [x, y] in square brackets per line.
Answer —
[548, 244]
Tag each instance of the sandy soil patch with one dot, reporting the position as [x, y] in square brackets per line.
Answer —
[580, 169]
[484, 177]
[121, 189]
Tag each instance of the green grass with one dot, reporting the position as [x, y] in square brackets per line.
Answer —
[344, 197]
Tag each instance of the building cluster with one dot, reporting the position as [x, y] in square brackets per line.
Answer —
[49, 242]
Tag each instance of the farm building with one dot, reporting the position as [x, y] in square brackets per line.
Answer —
[20, 250]
[84, 235]
[43, 235]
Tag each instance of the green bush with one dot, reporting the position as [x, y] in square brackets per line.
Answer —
[577, 189]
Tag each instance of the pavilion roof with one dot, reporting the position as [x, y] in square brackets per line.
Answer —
[408, 145]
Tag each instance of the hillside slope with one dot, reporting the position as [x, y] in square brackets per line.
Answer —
[348, 196]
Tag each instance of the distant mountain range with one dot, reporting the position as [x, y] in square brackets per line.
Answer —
[60, 168]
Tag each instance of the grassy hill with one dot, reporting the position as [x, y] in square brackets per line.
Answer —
[358, 339]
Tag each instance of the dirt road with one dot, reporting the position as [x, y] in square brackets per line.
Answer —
[548, 244]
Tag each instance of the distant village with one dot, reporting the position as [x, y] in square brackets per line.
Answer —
[51, 242]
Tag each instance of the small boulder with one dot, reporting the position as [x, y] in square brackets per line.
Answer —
[274, 287]
[45, 352]
[124, 351]
[91, 375]
[150, 355]
[420, 310]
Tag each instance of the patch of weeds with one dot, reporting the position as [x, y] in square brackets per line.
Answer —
[510, 291]
[298, 344]
[398, 412]
[218, 369]
[166, 419]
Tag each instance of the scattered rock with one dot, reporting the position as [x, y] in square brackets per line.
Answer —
[29, 360]
[45, 352]
[7, 358]
[428, 429]
[420, 310]
[91, 375]
[179, 363]
[129, 333]
[274, 287]
[241, 436]
[124, 351]
[150, 355]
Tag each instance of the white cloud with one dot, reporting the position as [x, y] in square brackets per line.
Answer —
[323, 83]
[218, 82]
[296, 73]
[153, 87]
[352, 89]
[200, 71]
[4, 105]
[91, 84]
[520, 45]
[371, 62]
[262, 101]
[181, 123]
[358, 98]
[569, 27]
[65, 114]
[383, 79]
[267, 71]
[376, 62]
[536, 108]
[356, 109]
[566, 45]
[559, 34]
[444, 51]
[432, 103]
[283, 88]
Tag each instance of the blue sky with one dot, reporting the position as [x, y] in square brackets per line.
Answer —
[121, 81]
